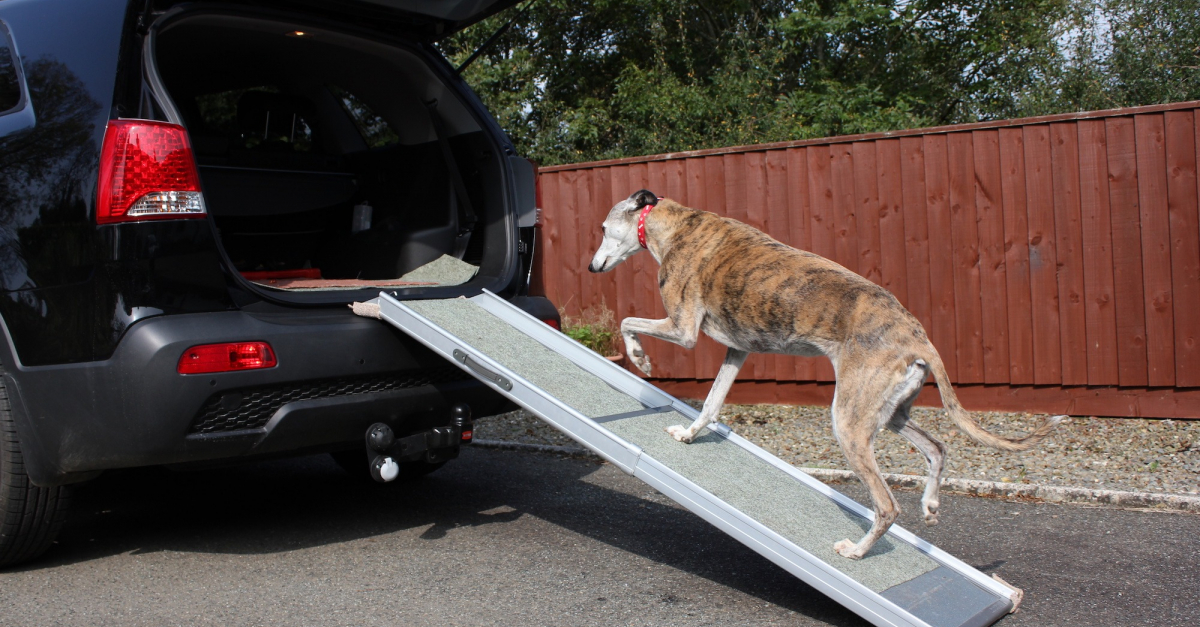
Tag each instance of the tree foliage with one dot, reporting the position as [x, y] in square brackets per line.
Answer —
[592, 79]
[1121, 54]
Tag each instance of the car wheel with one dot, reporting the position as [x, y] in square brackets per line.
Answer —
[355, 464]
[31, 516]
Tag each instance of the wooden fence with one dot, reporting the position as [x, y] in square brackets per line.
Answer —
[1055, 261]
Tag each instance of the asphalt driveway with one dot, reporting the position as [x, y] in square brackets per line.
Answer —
[515, 538]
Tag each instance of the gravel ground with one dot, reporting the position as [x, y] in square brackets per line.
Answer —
[1104, 453]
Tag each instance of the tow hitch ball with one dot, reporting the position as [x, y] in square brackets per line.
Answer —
[438, 444]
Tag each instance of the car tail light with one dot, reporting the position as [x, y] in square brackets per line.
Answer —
[226, 357]
[553, 323]
[147, 172]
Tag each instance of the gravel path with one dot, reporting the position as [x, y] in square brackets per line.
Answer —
[1105, 453]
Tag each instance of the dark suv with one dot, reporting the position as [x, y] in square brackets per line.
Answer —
[190, 196]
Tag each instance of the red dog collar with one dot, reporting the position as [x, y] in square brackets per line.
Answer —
[642, 224]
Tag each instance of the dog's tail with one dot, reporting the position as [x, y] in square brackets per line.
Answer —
[966, 421]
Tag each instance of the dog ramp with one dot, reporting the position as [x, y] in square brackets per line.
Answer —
[765, 503]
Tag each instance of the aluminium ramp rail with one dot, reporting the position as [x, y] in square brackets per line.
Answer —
[783, 514]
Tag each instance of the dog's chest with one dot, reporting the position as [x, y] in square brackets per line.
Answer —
[729, 333]
[717, 331]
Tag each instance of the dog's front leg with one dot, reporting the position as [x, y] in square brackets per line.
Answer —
[734, 359]
[664, 329]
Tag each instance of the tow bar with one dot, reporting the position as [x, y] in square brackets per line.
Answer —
[438, 444]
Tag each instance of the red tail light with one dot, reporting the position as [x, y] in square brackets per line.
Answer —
[553, 323]
[226, 357]
[147, 172]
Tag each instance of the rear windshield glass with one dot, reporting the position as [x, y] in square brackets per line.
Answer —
[260, 118]
[375, 130]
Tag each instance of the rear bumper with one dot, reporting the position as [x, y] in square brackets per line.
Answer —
[337, 374]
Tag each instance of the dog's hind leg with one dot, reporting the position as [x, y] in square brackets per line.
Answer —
[934, 452]
[861, 455]
[872, 395]
[734, 359]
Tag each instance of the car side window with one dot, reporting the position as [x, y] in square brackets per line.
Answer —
[374, 129]
[10, 81]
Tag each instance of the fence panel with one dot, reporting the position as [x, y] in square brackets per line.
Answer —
[944, 331]
[1101, 332]
[964, 238]
[1128, 291]
[1016, 256]
[1185, 244]
[916, 230]
[993, 276]
[892, 258]
[1156, 248]
[1064, 166]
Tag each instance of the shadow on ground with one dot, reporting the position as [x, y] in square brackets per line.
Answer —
[289, 505]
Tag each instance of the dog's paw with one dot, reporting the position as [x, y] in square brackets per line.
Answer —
[845, 548]
[931, 514]
[639, 359]
[680, 433]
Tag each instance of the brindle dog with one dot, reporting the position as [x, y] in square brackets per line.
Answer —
[755, 294]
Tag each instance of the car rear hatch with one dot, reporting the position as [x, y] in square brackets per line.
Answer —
[426, 20]
[337, 160]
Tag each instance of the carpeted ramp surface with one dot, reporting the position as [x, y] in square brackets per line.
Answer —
[729, 472]
[541, 366]
[444, 270]
[773, 498]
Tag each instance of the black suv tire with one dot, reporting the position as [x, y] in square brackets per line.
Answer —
[31, 516]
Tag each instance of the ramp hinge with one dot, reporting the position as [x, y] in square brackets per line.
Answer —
[482, 371]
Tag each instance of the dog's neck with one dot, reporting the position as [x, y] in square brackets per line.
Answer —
[660, 227]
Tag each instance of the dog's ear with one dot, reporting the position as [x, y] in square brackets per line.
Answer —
[641, 198]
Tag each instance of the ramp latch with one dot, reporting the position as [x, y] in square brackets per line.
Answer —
[482, 371]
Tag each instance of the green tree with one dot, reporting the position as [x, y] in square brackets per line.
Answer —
[574, 81]
[1123, 54]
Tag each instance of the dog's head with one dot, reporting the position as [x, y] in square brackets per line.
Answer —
[620, 232]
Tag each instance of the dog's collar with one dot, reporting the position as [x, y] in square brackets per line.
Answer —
[642, 224]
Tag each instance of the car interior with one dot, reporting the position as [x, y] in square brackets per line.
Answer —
[329, 160]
